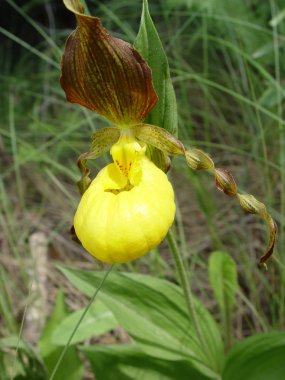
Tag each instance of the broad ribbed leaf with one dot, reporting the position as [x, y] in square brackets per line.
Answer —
[104, 73]
[223, 279]
[154, 313]
[260, 357]
[149, 45]
[164, 113]
[98, 320]
[128, 362]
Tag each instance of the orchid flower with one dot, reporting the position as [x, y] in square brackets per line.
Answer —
[129, 207]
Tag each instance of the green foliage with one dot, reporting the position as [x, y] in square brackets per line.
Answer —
[223, 279]
[148, 43]
[71, 366]
[260, 357]
[164, 114]
[98, 320]
[128, 362]
[225, 71]
[153, 312]
[18, 360]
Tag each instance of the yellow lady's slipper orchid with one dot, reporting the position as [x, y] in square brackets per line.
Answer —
[128, 208]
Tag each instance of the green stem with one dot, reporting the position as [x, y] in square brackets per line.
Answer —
[185, 285]
[190, 301]
[79, 322]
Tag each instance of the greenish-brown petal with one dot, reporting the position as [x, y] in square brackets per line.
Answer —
[251, 205]
[104, 73]
[199, 160]
[102, 141]
[159, 138]
[225, 182]
[159, 158]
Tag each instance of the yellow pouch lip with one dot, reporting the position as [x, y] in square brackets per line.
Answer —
[125, 226]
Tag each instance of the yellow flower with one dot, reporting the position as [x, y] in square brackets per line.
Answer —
[128, 208]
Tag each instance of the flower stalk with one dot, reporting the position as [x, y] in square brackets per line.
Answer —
[184, 282]
[85, 311]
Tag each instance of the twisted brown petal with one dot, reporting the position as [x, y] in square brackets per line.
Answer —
[104, 73]
[198, 160]
[251, 205]
[225, 182]
[102, 141]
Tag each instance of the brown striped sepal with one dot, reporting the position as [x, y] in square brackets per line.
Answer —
[104, 73]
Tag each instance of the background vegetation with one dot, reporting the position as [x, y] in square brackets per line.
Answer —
[227, 65]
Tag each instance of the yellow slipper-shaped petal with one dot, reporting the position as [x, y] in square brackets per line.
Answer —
[118, 222]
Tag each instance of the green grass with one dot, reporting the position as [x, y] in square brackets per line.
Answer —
[228, 77]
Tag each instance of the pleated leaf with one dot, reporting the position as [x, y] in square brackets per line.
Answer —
[260, 357]
[223, 279]
[154, 313]
[164, 114]
[98, 320]
[148, 43]
[128, 362]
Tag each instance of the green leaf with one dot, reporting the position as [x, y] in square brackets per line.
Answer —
[128, 362]
[277, 19]
[270, 96]
[149, 45]
[14, 342]
[164, 114]
[154, 313]
[223, 279]
[71, 367]
[28, 366]
[260, 357]
[98, 320]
